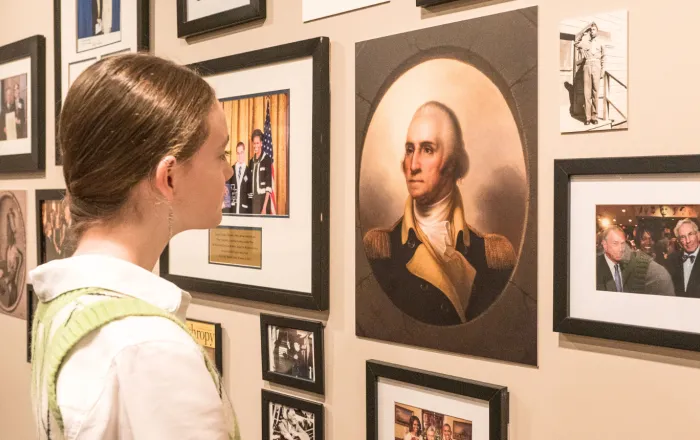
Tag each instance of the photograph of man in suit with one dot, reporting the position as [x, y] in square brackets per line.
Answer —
[622, 269]
[239, 184]
[20, 114]
[685, 275]
[433, 265]
[261, 175]
[8, 121]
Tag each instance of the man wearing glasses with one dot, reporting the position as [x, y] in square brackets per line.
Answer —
[685, 275]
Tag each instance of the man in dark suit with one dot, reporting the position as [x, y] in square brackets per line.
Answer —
[261, 176]
[621, 269]
[20, 114]
[240, 184]
[431, 263]
[685, 275]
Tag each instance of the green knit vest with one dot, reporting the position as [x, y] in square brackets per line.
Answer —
[48, 353]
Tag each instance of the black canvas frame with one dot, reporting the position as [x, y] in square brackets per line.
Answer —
[269, 397]
[43, 195]
[317, 386]
[564, 170]
[143, 39]
[33, 48]
[497, 396]
[255, 10]
[317, 299]
[218, 338]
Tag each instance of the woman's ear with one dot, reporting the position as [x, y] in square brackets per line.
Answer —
[165, 177]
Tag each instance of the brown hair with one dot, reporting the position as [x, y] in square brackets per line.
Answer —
[121, 116]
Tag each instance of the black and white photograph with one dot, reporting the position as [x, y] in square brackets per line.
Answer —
[292, 352]
[13, 115]
[626, 244]
[288, 418]
[99, 23]
[593, 73]
[195, 17]
[13, 253]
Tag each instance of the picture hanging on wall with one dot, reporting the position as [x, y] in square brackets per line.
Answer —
[630, 228]
[593, 73]
[87, 30]
[286, 417]
[53, 222]
[272, 243]
[13, 253]
[404, 403]
[292, 352]
[196, 17]
[23, 108]
[208, 335]
[446, 256]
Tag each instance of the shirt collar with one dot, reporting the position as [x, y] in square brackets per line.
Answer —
[56, 277]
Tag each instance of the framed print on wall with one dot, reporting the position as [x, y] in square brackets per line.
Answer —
[407, 403]
[23, 108]
[87, 30]
[208, 335]
[53, 221]
[196, 17]
[292, 352]
[629, 227]
[13, 253]
[288, 417]
[272, 243]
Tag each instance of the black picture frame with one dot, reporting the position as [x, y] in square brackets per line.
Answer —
[255, 10]
[318, 385]
[218, 338]
[429, 3]
[497, 396]
[143, 37]
[318, 49]
[564, 171]
[269, 397]
[41, 196]
[32, 303]
[33, 48]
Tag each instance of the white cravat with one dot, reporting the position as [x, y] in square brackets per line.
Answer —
[434, 221]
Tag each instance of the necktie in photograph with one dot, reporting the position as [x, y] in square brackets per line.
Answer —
[618, 280]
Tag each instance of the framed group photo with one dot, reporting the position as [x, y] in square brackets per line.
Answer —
[196, 17]
[23, 105]
[286, 417]
[629, 227]
[52, 226]
[404, 403]
[87, 30]
[292, 352]
[272, 243]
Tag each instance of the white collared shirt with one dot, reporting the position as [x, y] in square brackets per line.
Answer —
[688, 267]
[611, 265]
[138, 377]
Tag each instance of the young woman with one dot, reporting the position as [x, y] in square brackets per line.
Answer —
[143, 143]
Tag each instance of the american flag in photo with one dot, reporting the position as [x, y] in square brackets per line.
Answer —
[267, 149]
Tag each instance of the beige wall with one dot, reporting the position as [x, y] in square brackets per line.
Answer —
[584, 388]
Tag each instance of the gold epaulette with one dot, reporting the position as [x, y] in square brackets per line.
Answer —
[377, 244]
[499, 252]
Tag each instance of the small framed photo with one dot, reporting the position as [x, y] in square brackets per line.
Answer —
[292, 352]
[272, 243]
[23, 108]
[87, 30]
[196, 17]
[410, 404]
[32, 303]
[52, 225]
[208, 335]
[629, 227]
[286, 417]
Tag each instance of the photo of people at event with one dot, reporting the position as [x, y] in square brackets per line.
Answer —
[414, 423]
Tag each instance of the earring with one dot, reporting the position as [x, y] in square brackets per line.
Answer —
[170, 221]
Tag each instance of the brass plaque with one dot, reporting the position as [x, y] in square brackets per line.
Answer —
[236, 246]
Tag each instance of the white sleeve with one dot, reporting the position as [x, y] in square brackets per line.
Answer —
[166, 391]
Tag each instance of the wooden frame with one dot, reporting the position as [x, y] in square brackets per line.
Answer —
[255, 10]
[33, 48]
[564, 170]
[218, 336]
[317, 299]
[143, 37]
[316, 409]
[43, 195]
[316, 386]
[497, 396]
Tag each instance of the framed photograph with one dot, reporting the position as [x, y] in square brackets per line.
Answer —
[446, 255]
[196, 17]
[286, 417]
[629, 227]
[87, 30]
[292, 352]
[13, 253]
[32, 303]
[208, 335]
[593, 73]
[53, 241]
[409, 404]
[272, 243]
[23, 108]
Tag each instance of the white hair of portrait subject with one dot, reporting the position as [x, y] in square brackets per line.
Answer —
[606, 231]
[685, 221]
